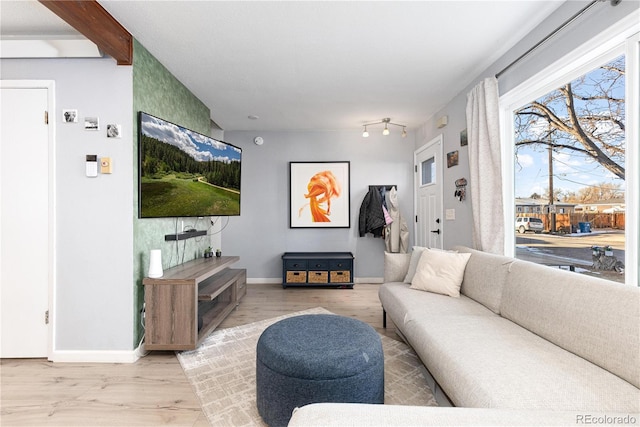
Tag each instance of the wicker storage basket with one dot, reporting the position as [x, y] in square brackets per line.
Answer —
[296, 276]
[342, 276]
[318, 277]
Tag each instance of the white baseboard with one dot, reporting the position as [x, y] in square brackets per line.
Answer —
[271, 280]
[369, 280]
[264, 280]
[95, 356]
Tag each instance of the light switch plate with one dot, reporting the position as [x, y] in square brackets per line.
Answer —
[450, 214]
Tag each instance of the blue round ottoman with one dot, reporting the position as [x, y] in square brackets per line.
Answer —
[317, 358]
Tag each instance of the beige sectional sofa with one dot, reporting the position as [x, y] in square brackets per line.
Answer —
[522, 344]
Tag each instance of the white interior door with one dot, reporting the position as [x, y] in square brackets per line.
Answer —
[428, 167]
[25, 222]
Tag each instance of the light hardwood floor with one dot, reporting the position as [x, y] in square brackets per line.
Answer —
[154, 390]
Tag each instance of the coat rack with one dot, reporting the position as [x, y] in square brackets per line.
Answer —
[386, 187]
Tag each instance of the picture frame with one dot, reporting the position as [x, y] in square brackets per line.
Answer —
[70, 116]
[452, 159]
[91, 123]
[464, 139]
[319, 194]
[114, 130]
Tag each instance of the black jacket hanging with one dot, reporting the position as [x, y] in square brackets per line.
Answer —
[371, 214]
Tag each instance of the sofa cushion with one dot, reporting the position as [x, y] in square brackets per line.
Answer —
[440, 272]
[489, 361]
[596, 319]
[398, 299]
[484, 277]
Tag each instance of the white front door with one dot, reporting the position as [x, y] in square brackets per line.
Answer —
[428, 185]
[25, 221]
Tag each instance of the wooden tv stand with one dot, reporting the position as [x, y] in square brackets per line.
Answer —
[189, 301]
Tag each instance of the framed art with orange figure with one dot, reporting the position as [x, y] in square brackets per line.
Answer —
[319, 195]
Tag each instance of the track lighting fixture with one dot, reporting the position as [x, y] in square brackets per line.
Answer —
[385, 131]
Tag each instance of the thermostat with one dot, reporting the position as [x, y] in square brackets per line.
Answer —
[91, 165]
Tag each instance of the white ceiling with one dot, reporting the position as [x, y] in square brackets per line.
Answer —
[28, 17]
[317, 64]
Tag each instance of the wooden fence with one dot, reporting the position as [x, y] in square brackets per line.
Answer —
[600, 220]
[570, 222]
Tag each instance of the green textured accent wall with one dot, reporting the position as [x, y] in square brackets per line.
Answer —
[156, 91]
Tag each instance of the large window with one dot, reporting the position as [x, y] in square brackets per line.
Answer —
[571, 163]
[570, 153]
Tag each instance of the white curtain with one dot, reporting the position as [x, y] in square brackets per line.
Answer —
[483, 132]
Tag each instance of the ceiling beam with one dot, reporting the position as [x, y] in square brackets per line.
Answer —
[96, 24]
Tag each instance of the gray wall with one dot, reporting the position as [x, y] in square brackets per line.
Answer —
[602, 16]
[94, 231]
[457, 231]
[261, 233]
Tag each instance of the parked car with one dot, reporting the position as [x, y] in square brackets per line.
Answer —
[525, 223]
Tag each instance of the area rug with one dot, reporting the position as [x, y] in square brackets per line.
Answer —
[222, 370]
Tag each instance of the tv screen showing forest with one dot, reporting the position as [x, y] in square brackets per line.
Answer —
[184, 173]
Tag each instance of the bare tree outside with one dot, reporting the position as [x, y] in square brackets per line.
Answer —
[589, 194]
[595, 193]
[584, 117]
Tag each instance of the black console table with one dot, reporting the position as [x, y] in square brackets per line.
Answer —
[317, 269]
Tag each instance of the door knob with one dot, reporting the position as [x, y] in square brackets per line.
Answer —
[436, 231]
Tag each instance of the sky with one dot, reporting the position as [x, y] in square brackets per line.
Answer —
[200, 147]
[571, 172]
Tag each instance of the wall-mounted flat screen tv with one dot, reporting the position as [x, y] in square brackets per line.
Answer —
[183, 173]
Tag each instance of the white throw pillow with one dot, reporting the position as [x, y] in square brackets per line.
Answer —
[413, 263]
[440, 272]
